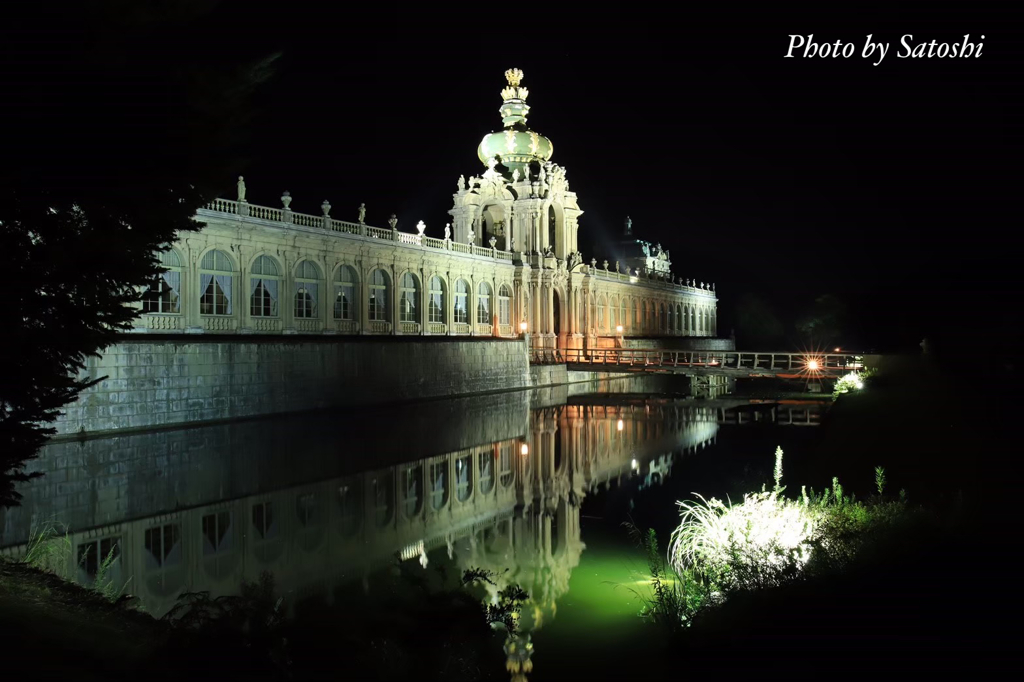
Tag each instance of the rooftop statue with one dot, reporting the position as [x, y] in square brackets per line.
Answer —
[241, 188]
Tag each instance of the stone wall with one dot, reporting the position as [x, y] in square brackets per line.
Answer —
[156, 382]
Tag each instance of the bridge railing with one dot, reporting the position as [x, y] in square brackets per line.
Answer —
[768, 362]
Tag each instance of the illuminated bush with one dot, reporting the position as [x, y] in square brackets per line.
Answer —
[848, 383]
[758, 543]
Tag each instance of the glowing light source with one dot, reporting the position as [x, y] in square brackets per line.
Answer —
[522, 327]
[634, 465]
[524, 449]
[618, 328]
[838, 349]
[620, 425]
[812, 365]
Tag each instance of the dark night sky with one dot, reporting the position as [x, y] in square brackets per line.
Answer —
[891, 186]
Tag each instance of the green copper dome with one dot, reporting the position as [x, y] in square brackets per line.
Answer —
[516, 145]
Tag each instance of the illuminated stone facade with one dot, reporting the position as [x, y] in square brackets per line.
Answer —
[510, 256]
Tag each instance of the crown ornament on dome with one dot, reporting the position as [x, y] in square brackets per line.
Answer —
[514, 108]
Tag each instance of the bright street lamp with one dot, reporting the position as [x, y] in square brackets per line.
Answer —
[524, 449]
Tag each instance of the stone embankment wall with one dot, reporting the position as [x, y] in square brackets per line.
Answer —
[154, 383]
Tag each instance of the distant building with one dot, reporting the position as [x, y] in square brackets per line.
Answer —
[509, 257]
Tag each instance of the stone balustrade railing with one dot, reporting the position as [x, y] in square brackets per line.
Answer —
[325, 222]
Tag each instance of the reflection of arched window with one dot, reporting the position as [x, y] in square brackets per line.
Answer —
[215, 277]
[264, 523]
[345, 301]
[350, 505]
[264, 287]
[307, 283]
[379, 293]
[412, 490]
[436, 305]
[461, 301]
[306, 510]
[504, 305]
[483, 303]
[383, 497]
[438, 483]
[505, 472]
[464, 477]
[164, 295]
[409, 293]
[486, 467]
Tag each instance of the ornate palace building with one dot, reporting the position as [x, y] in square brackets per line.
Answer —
[510, 256]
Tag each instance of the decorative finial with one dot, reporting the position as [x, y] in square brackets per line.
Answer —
[326, 208]
[421, 227]
[286, 199]
[514, 77]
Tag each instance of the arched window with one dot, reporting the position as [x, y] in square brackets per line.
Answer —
[461, 302]
[409, 294]
[636, 315]
[483, 303]
[413, 490]
[505, 464]
[602, 303]
[380, 286]
[438, 483]
[693, 320]
[679, 318]
[263, 287]
[700, 321]
[436, 303]
[622, 313]
[504, 304]
[662, 321]
[307, 279]
[164, 295]
[552, 227]
[671, 318]
[345, 280]
[215, 277]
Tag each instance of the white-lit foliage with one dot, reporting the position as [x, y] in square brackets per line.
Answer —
[847, 383]
[758, 543]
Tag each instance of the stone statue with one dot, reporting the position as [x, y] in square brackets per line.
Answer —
[362, 214]
[646, 248]
[543, 175]
[515, 175]
[462, 183]
[447, 231]
[629, 227]
[526, 172]
[241, 188]
[617, 266]
[472, 236]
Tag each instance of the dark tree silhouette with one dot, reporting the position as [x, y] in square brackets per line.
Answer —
[757, 323]
[120, 118]
[825, 323]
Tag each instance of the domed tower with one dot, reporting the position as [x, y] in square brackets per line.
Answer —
[515, 147]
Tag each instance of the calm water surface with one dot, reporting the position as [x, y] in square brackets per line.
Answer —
[534, 486]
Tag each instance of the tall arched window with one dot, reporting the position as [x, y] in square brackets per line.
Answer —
[602, 303]
[307, 280]
[700, 321]
[622, 313]
[461, 302]
[263, 287]
[671, 319]
[345, 301]
[215, 277]
[409, 294]
[693, 320]
[164, 295]
[436, 304]
[679, 318]
[463, 478]
[636, 315]
[504, 304]
[483, 303]
[552, 227]
[662, 321]
[380, 286]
